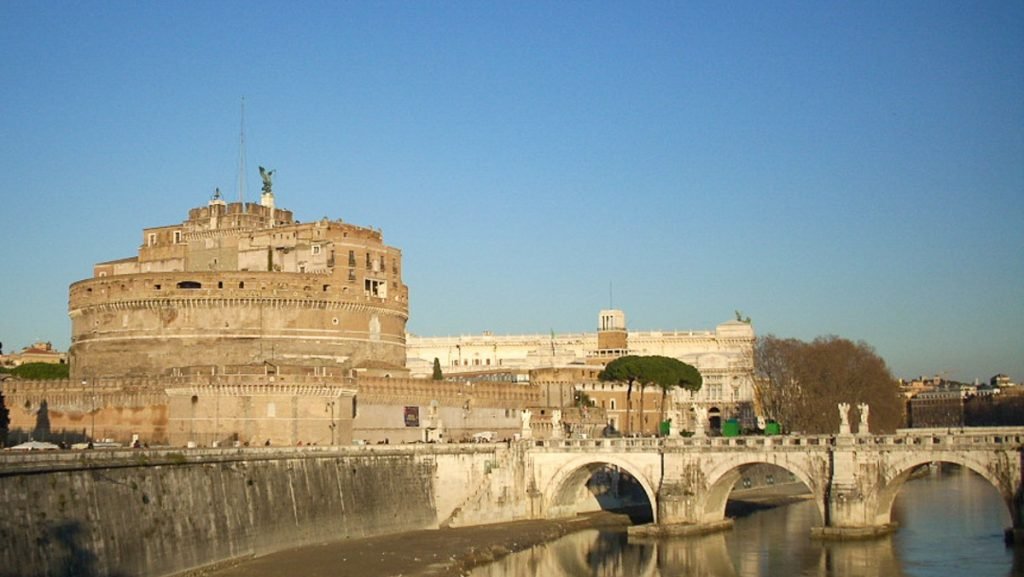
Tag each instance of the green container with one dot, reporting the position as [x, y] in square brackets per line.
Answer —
[731, 428]
[772, 428]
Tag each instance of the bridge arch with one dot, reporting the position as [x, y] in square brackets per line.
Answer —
[902, 468]
[722, 477]
[574, 473]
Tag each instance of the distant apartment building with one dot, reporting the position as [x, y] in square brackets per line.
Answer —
[38, 352]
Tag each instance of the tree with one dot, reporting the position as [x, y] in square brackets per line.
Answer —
[665, 372]
[675, 373]
[800, 384]
[438, 375]
[41, 371]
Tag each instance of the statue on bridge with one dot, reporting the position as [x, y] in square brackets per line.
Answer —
[556, 424]
[526, 432]
[700, 424]
[844, 418]
[864, 410]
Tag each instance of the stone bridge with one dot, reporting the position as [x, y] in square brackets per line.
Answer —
[163, 511]
[853, 479]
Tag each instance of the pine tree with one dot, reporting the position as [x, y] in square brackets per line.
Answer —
[438, 375]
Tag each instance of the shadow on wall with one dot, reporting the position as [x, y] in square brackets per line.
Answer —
[67, 556]
[42, 430]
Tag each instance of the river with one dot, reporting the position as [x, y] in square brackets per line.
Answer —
[951, 524]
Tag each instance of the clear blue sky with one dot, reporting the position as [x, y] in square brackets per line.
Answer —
[848, 168]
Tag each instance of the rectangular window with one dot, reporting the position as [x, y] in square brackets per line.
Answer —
[316, 249]
[351, 275]
[177, 236]
[351, 258]
[151, 240]
[375, 288]
[369, 263]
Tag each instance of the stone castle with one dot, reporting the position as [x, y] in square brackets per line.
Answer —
[243, 325]
[243, 284]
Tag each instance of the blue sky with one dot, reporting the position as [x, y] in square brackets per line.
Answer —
[848, 168]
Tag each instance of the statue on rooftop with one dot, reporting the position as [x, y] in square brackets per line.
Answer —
[267, 176]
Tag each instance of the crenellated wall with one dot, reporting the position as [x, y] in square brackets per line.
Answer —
[292, 405]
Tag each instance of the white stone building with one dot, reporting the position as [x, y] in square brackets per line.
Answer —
[724, 357]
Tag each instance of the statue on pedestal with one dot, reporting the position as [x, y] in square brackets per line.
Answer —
[267, 176]
[700, 425]
[844, 418]
[526, 432]
[556, 424]
[864, 410]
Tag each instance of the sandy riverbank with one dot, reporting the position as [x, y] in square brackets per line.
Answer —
[451, 552]
[437, 553]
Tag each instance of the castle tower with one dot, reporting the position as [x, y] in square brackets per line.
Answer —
[240, 284]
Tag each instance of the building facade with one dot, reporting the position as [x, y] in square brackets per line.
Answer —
[723, 356]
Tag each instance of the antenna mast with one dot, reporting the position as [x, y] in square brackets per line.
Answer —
[241, 158]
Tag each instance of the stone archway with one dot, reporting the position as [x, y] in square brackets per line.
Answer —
[723, 476]
[568, 479]
[904, 468]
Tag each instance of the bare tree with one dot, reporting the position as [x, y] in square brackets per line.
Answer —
[799, 384]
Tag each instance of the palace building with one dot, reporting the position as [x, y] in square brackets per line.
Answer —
[723, 356]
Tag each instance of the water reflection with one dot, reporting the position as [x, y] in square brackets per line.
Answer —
[951, 524]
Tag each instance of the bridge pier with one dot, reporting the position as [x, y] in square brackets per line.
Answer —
[852, 498]
[679, 514]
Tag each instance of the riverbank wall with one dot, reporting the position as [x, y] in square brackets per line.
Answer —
[154, 513]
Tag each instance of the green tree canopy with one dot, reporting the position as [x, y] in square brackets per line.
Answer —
[800, 384]
[41, 371]
[438, 375]
[664, 372]
[653, 370]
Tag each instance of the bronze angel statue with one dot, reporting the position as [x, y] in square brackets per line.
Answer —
[266, 175]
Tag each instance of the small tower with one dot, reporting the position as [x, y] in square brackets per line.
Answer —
[612, 337]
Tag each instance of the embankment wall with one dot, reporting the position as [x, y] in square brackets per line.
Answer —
[154, 513]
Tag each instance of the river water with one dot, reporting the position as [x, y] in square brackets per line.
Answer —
[951, 524]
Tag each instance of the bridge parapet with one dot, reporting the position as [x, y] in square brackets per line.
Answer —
[628, 444]
[751, 442]
[15, 463]
[946, 439]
